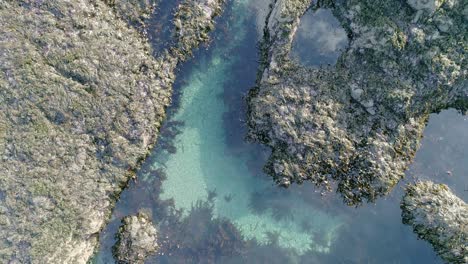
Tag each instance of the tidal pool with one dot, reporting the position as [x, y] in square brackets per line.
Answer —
[211, 202]
[319, 39]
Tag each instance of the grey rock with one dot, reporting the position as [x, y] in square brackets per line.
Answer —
[81, 101]
[426, 5]
[356, 94]
[133, 11]
[439, 217]
[363, 125]
[136, 239]
[193, 21]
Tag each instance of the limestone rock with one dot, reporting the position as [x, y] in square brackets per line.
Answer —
[439, 217]
[136, 239]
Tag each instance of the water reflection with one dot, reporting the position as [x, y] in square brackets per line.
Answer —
[320, 39]
[443, 156]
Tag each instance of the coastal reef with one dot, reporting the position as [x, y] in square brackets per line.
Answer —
[81, 102]
[357, 124]
[136, 239]
[439, 217]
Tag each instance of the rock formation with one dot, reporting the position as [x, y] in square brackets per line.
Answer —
[81, 101]
[440, 217]
[360, 121]
[136, 240]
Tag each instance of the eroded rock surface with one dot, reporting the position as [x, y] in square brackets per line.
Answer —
[193, 21]
[133, 11]
[81, 101]
[136, 240]
[439, 217]
[359, 122]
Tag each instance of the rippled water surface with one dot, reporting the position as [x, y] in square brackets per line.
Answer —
[211, 202]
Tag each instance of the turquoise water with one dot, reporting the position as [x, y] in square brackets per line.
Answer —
[203, 163]
[211, 202]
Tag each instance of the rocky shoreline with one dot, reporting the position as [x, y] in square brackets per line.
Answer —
[136, 240]
[81, 102]
[440, 217]
[358, 123]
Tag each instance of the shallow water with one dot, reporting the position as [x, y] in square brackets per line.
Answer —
[212, 203]
[204, 163]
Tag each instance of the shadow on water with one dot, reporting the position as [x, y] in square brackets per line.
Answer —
[202, 231]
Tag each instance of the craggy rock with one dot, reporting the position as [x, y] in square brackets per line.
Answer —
[193, 21]
[358, 122]
[133, 11]
[439, 217]
[137, 239]
[81, 101]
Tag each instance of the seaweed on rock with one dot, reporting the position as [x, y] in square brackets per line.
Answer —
[81, 102]
[439, 217]
[358, 123]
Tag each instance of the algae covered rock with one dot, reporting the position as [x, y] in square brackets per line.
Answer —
[426, 5]
[439, 217]
[81, 102]
[358, 122]
[193, 21]
[136, 239]
[133, 11]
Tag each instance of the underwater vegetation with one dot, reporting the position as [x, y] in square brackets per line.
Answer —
[201, 238]
[167, 133]
[159, 27]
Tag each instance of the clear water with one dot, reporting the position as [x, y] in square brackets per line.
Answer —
[212, 203]
[204, 163]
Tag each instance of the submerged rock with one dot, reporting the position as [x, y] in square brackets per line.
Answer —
[439, 217]
[81, 101]
[358, 123]
[136, 239]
